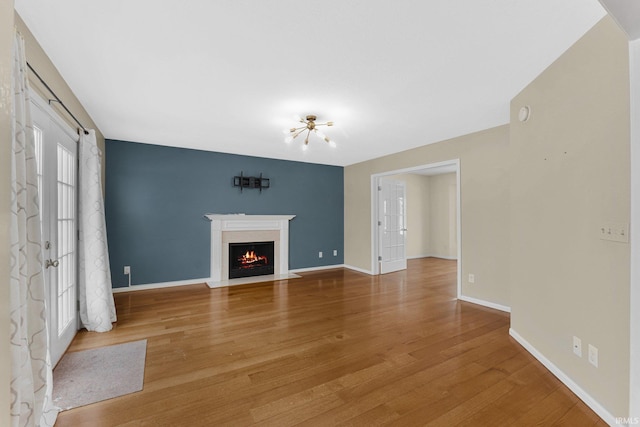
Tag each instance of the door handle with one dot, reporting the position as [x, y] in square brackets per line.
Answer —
[51, 263]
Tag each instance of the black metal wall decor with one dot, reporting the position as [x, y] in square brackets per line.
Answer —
[250, 182]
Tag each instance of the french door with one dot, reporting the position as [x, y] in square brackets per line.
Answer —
[392, 226]
[56, 155]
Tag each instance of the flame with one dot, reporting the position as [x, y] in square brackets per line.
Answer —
[250, 258]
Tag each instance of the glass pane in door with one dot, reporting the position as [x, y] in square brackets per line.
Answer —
[66, 224]
[37, 136]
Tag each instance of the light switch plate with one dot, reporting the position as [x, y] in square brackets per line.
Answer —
[593, 355]
[614, 231]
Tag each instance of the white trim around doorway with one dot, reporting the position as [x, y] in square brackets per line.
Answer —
[375, 180]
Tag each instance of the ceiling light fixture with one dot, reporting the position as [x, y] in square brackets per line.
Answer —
[310, 125]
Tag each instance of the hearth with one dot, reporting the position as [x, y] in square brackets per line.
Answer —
[251, 259]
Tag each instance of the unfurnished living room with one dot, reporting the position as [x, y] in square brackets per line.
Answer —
[320, 213]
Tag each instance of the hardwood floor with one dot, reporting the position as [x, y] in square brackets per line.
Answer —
[336, 347]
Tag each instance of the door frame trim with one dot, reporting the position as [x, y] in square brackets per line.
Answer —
[43, 105]
[375, 182]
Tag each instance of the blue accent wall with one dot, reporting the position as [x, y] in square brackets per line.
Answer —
[156, 197]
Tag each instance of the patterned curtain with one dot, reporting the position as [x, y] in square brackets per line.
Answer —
[97, 309]
[31, 384]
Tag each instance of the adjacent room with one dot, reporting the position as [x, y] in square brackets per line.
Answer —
[329, 213]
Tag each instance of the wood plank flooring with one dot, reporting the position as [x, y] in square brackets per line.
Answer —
[336, 347]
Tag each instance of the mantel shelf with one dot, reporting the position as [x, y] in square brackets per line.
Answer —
[243, 217]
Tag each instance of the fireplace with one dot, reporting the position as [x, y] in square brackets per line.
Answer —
[248, 229]
[251, 259]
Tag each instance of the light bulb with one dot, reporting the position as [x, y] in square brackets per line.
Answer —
[288, 139]
[332, 144]
[305, 147]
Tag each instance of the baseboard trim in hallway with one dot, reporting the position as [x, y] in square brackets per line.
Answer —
[566, 380]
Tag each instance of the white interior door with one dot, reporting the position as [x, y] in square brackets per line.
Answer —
[56, 152]
[392, 222]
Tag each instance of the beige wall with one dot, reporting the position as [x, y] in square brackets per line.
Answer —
[484, 206]
[45, 68]
[570, 174]
[431, 215]
[6, 43]
[442, 227]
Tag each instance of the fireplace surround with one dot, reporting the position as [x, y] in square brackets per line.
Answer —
[240, 228]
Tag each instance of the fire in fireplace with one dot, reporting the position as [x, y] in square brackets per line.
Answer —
[250, 259]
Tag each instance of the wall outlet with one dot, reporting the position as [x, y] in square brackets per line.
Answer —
[472, 278]
[577, 346]
[335, 252]
[593, 355]
[127, 269]
[320, 254]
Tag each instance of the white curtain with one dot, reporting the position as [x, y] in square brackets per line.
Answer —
[97, 309]
[31, 384]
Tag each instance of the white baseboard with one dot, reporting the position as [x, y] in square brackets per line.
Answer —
[160, 285]
[359, 270]
[206, 280]
[575, 388]
[252, 279]
[330, 267]
[485, 303]
[433, 256]
[322, 267]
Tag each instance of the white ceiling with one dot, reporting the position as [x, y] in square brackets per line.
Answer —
[228, 75]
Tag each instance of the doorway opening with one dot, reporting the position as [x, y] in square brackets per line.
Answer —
[382, 241]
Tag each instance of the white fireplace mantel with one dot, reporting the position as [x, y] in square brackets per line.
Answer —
[247, 228]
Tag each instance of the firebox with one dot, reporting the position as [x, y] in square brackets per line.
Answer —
[250, 259]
